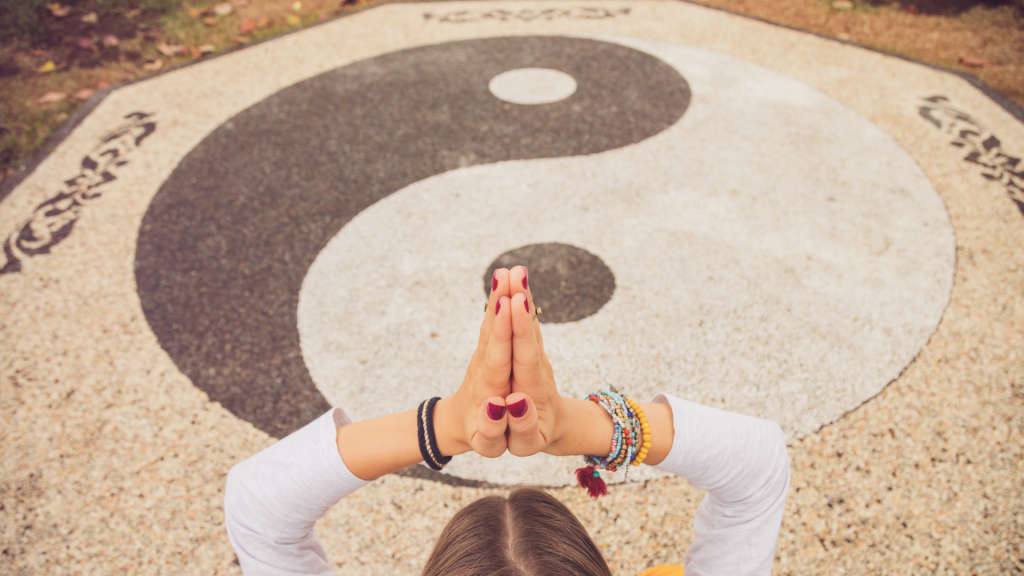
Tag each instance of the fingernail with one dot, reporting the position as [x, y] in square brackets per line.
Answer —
[494, 281]
[526, 275]
[497, 307]
[518, 409]
[495, 412]
[527, 304]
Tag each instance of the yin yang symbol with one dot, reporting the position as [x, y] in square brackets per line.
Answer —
[702, 227]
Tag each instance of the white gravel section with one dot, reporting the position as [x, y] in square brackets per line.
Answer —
[775, 254]
[532, 86]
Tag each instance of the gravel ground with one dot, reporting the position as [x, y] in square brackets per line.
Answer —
[111, 461]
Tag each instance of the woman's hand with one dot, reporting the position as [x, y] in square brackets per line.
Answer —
[474, 417]
[534, 405]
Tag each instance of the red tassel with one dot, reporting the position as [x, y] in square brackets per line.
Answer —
[590, 479]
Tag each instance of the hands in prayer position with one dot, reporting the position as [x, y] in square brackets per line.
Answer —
[508, 401]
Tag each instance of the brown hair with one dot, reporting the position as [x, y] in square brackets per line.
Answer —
[530, 533]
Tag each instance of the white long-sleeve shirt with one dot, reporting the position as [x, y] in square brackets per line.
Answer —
[274, 497]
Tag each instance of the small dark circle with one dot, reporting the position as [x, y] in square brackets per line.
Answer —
[567, 283]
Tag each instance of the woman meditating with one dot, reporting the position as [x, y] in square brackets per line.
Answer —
[509, 401]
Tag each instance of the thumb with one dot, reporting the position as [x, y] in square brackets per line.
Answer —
[491, 421]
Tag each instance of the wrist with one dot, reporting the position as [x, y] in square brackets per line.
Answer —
[449, 429]
[586, 429]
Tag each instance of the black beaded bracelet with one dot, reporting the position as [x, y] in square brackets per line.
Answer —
[425, 434]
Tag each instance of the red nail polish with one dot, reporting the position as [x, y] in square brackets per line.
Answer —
[526, 275]
[518, 409]
[497, 307]
[527, 304]
[494, 281]
[495, 412]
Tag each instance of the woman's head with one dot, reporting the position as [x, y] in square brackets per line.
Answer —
[530, 533]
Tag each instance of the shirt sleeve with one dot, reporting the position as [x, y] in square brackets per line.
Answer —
[742, 463]
[274, 498]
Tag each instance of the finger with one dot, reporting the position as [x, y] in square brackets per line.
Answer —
[519, 283]
[492, 421]
[499, 288]
[524, 437]
[526, 353]
[497, 361]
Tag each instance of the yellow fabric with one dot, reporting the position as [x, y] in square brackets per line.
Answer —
[666, 570]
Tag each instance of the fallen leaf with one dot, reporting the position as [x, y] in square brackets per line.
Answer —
[240, 40]
[57, 10]
[248, 25]
[842, 5]
[297, 5]
[262, 22]
[102, 84]
[52, 97]
[110, 41]
[975, 62]
[154, 65]
[292, 20]
[323, 16]
[36, 52]
[223, 9]
[843, 36]
[207, 49]
[48, 67]
[87, 44]
[197, 12]
[210, 21]
[84, 94]
[170, 49]
[912, 9]
[241, 3]
[132, 13]
[194, 51]
[90, 18]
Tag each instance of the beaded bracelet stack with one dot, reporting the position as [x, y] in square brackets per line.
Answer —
[630, 441]
[425, 434]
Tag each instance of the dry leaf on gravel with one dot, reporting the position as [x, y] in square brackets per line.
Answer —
[842, 5]
[110, 41]
[223, 9]
[90, 18]
[132, 13]
[207, 49]
[297, 5]
[210, 21]
[57, 10]
[170, 49]
[262, 22]
[103, 84]
[154, 65]
[975, 62]
[292, 20]
[84, 94]
[52, 97]
[48, 67]
[197, 12]
[248, 25]
[87, 44]
[194, 51]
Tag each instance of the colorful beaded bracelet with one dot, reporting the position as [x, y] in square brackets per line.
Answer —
[631, 440]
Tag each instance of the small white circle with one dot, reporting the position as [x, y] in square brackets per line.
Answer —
[532, 86]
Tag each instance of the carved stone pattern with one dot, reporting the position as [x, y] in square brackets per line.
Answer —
[981, 147]
[526, 15]
[53, 220]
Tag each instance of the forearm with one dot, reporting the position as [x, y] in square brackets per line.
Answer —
[589, 429]
[379, 446]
